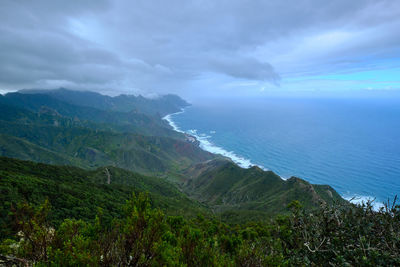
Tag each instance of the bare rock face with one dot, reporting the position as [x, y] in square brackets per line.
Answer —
[191, 139]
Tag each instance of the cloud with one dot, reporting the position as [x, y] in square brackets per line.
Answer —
[170, 46]
[246, 68]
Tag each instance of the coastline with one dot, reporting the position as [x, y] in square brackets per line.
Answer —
[358, 199]
[206, 145]
[171, 122]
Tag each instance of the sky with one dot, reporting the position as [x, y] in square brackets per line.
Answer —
[204, 47]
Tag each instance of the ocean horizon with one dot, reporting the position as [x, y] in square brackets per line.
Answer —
[352, 145]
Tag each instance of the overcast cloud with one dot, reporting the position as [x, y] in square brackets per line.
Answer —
[191, 47]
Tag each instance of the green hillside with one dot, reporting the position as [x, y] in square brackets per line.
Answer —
[132, 121]
[15, 147]
[59, 127]
[161, 105]
[146, 154]
[201, 208]
[37, 135]
[77, 193]
[235, 192]
[50, 216]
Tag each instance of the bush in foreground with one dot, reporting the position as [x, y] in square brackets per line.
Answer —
[144, 236]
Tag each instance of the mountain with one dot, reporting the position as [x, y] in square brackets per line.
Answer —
[131, 121]
[66, 216]
[161, 105]
[41, 128]
[90, 148]
[89, 180]
[61, 127]
[233, 191]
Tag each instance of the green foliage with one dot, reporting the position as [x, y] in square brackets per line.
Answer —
[237, 193]
[348, 235]
[44, 108]
[162, 105]
[34, 230]
[89, 130]
[49, 137]
[77, 193]
[145, 236]
[94, 220]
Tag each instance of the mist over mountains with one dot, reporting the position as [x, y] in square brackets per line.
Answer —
[199, 133]
[68, 157]
[90, 130]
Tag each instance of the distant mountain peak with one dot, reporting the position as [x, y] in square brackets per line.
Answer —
[160, 105]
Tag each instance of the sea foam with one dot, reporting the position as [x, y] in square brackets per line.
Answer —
[287, 150]
[357, 199]
[168, 118]
[207, 145]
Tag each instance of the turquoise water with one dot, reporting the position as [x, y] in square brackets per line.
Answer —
[350, 144]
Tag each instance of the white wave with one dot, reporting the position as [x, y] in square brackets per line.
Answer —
[357, 199]
[168, 118]
[246, 163]
[209, 146]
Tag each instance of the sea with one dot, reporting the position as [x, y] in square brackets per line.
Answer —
[352, 144]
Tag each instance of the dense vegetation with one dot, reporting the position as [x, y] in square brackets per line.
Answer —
[144, 236]
[45, 129]
[77, 193]
[161, 105]
[238, 194]
[199, 209]
[67, 216]
[90, 130]
[55, 112]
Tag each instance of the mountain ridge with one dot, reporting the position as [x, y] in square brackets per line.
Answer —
[41, 127]
[160, 105]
